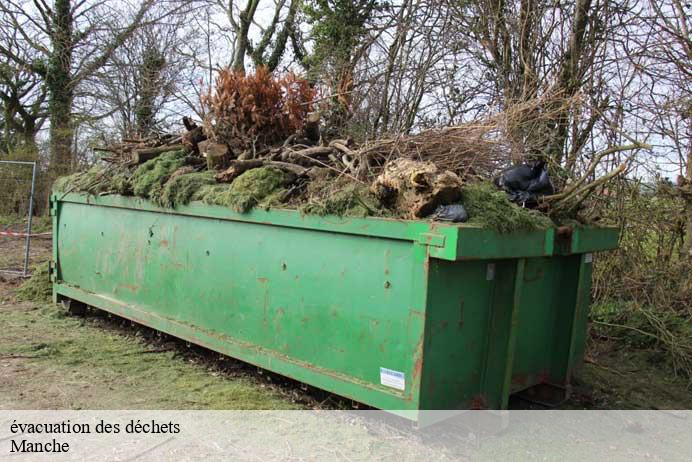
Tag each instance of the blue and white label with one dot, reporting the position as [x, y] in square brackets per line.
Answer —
[588, 258]
[393, 379]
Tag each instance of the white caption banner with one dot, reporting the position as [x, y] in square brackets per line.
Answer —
[344, 435]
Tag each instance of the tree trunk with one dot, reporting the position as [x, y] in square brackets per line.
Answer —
[242, 40]
[61, 133]
[569, 79]
[149, 88]
[60, 91]
[30, 144]
[686, 190]
[687, 246]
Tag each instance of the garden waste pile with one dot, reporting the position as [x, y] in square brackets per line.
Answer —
[263, 145]
[176, 178]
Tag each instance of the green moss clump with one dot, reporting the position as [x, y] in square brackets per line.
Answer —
[149, 178]
[62, 184]
[489, 207]
[181, 189]
[352, 200]
[264, 187]
[121, 183]
[96, 180]
[38, 287]
[208, 193]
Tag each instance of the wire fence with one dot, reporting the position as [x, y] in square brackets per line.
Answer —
[17, 191]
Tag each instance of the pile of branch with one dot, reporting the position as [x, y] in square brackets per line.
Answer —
[459, 149]
[575, 193]
[413, 174]
[464, 149]
[134, 151]
[425, 169]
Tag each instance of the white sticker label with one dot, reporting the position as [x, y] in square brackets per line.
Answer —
[490, 272]
[588, 258]
[394, 379]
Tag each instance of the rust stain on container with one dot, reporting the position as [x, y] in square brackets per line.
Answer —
[520, 379]
[479, 402]
[544, 377]
[418, 354]
[131, 287]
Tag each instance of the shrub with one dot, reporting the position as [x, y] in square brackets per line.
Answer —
[642, 290]
[255, 110]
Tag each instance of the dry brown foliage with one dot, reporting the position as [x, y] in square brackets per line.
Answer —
[465, 149]
[251, 111]
[478, 148]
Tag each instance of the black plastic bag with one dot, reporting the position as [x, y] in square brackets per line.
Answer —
[524, 184]
[455, 213]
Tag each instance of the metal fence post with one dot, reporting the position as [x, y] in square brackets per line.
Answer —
[28, 225]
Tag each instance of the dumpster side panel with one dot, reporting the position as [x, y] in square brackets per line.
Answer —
[552, 331]
[467, 340]
[495, 327]
[583, 264]
[337, 305]
[544, 302]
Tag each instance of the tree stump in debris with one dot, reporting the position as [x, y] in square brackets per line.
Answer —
[417, 188]
[192, 138]
[237, 168]
[311, 128]
[140, 156]
[217, 154]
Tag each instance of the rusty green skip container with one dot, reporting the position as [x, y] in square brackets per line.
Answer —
[398, 315]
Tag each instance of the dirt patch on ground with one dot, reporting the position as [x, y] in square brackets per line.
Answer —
[616, 376]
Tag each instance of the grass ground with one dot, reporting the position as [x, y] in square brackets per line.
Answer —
[50, 360]
[620, 377]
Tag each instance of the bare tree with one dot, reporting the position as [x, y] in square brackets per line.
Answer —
[73, 39]
[662, 56]
[341, 35]
[273, 36]
[22, 100]
[145, 75]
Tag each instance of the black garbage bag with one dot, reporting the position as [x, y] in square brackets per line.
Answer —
[525, 183]
[455, 213]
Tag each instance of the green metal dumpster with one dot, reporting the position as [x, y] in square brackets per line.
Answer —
[399, 315]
